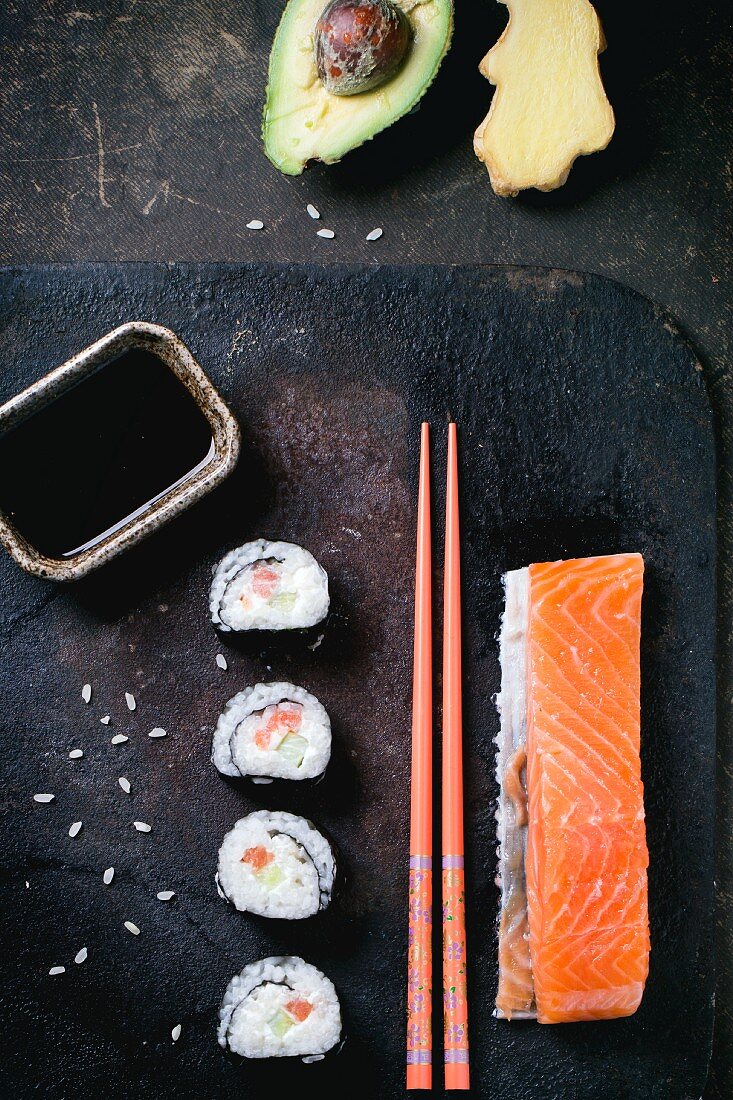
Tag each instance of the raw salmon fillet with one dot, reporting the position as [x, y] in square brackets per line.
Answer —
[584, 871]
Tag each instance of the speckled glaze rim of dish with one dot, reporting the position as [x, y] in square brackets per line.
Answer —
[219, 463]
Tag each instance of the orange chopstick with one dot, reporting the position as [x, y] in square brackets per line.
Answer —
[455, 1004]
[419, 950]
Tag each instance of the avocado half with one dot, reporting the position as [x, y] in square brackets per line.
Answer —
[303, 122]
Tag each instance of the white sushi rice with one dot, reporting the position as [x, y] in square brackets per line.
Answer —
[234, 751]
[298, 880]
[257, 997]
[511, 703]
[299, 598]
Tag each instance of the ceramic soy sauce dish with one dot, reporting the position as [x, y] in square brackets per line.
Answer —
[108, 447]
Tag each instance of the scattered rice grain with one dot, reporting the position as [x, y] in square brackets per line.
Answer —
[158, 732]
[86, 693]
[165, 895]
[75, 828]
[327, 233]
[221, 661]
[105, 720]
[130, 700]
[374, 235]
[314, 213]
[119, 739]
[108, 875]
[75, 754]
[57, 970]
[176, 1033]
[124, 783]
[43, 797]
[142, 826]
[255, 224]
[81, 956]
[132, 928]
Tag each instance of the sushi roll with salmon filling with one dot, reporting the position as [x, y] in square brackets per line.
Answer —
[272, 731]
[281, 1007]
[268, 586]
[276, 865]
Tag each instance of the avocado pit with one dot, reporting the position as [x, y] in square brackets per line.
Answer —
[360, 44]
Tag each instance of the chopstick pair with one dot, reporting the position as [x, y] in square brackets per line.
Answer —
[419, 993]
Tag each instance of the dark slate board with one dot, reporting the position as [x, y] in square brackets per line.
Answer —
[585, 428]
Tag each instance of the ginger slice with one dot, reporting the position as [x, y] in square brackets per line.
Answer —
[549, 106]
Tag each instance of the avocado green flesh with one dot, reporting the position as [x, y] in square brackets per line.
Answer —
[304, 122]
[280, 1024]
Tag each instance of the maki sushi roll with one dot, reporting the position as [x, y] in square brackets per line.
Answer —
[281, 1007]
[276, 865]
[268, 586]
[272, 731]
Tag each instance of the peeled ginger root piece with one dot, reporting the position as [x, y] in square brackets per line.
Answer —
[549, 106]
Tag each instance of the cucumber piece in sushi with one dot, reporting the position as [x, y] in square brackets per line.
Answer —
[281, 1007]
[268, 586]
[272, 731]
[276, 865]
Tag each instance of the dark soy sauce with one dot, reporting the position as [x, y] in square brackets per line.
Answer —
[100, 453]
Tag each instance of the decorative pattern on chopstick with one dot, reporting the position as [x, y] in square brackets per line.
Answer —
[455, 1006]
[419, 973]
[420, 920]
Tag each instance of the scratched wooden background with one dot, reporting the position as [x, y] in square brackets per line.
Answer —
[129, 129]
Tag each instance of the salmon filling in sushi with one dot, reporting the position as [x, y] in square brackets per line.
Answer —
[276, 865]
[273, 731]
[268, 586]
[573, 929]
[280, 1007]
